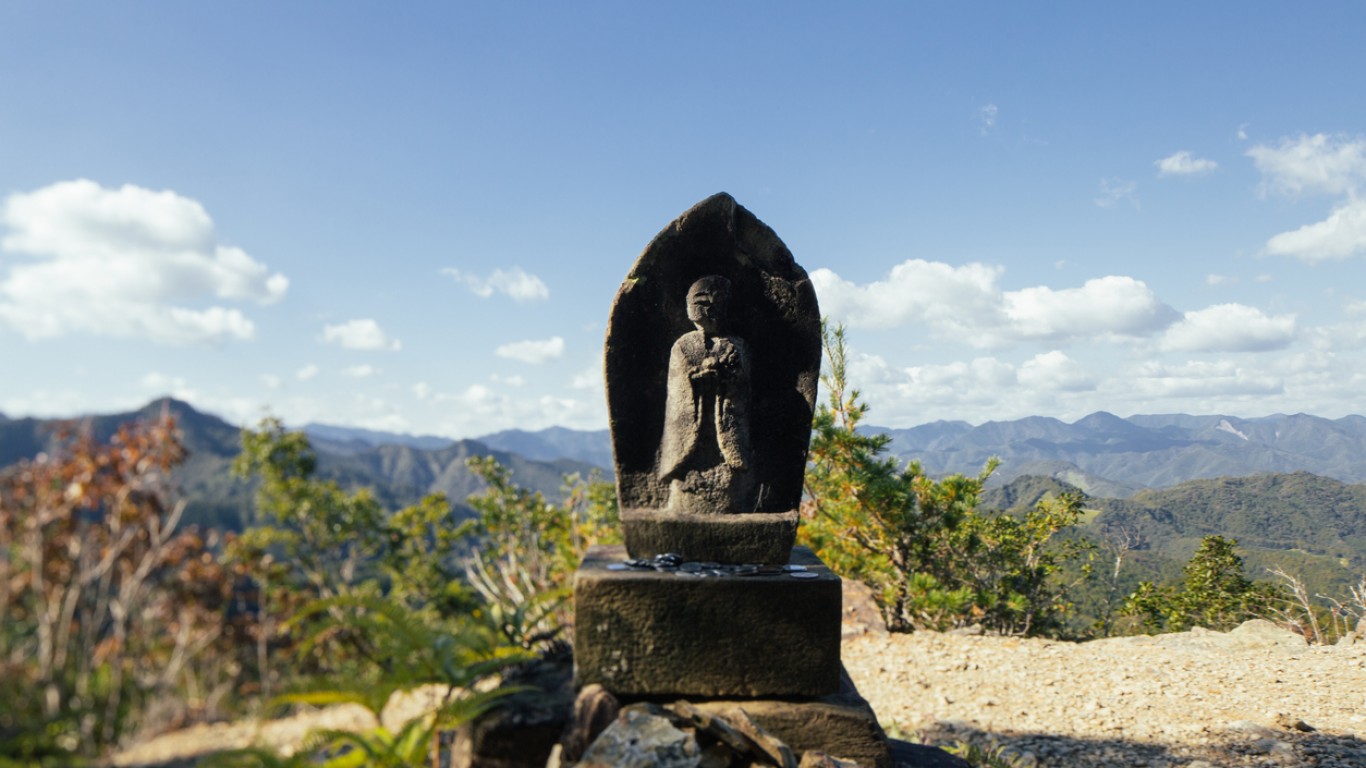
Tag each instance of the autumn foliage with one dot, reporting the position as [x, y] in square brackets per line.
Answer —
[105, 605]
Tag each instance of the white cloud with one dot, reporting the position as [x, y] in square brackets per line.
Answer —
[508, 381]
[1341, 235]
[364, 371]
[270, 381]
[1183, 163]
[1055, 371]
[589, 378]
[1213, 279]
[307, 372]
[515, 283]
[966, 304]
[175, 386]
[1311, 164]
[915, 291]
[1230, 328]
[422, 390]
[360, 334]
[126, 262]
[987, 115]
[1102, 306]
[481, 409]
[1114, 190]
[532, 351]
[1220, 379]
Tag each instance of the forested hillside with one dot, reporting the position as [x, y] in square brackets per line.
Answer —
[398, 475]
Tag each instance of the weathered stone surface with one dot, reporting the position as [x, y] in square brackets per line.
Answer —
[818, 759]
[841, 724]
[594, 710]
[753, 538]
[641, 738]
[651, 632]
[524, 728]
[712, 362]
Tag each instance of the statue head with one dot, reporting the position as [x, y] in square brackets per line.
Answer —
[707, 300]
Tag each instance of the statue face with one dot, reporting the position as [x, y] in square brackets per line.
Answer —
[707, 303]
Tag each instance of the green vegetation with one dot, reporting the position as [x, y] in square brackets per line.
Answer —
[1214, 594]
[409, 599]
[113, 619]
[116, 618]
[933, 558]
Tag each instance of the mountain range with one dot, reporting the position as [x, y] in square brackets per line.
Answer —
[1288, 487]
[398, 472]
[1106, 455]
[1102, 454]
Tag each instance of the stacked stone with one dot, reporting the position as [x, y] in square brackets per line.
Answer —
[713, 355]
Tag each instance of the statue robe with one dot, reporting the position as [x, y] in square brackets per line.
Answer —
[706, 420]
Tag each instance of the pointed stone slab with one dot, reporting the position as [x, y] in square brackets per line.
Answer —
[772, 310]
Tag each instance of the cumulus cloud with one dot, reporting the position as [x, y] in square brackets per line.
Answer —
[363, 334]
[1219, 378]
[532, 351]
[364, 371]
[1341, 235]
[1112, 305]
[1230, 328]
[126, 262]
[1320, 163]
[514, 283]
[1183, 163]
[915, 291]
[1055, 371]
[307, 372]
[966, 303]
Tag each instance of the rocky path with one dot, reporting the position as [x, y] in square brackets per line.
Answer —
[1256, 696]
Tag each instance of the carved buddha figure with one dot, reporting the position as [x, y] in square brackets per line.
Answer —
[705, 453]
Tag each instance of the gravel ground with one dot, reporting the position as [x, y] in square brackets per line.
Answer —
[1256, 696]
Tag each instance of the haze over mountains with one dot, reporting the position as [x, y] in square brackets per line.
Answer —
[1282, 485]
[399, 472]
[1102, 454]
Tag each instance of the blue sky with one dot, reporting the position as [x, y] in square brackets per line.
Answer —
[414, 216]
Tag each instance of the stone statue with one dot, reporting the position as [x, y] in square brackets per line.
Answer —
[705, 453]
[712, 360]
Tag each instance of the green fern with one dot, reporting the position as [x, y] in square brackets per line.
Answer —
[409, 649]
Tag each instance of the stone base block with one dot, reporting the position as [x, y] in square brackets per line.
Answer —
[757, 537]
[841, 724]
[670, 633]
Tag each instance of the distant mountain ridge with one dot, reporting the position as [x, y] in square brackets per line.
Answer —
[397, 474]
[1110, 456]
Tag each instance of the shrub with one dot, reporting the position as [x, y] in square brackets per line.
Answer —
[932, 558]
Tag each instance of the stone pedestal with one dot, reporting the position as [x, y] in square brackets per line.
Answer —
[756, 537]
[669, 633]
